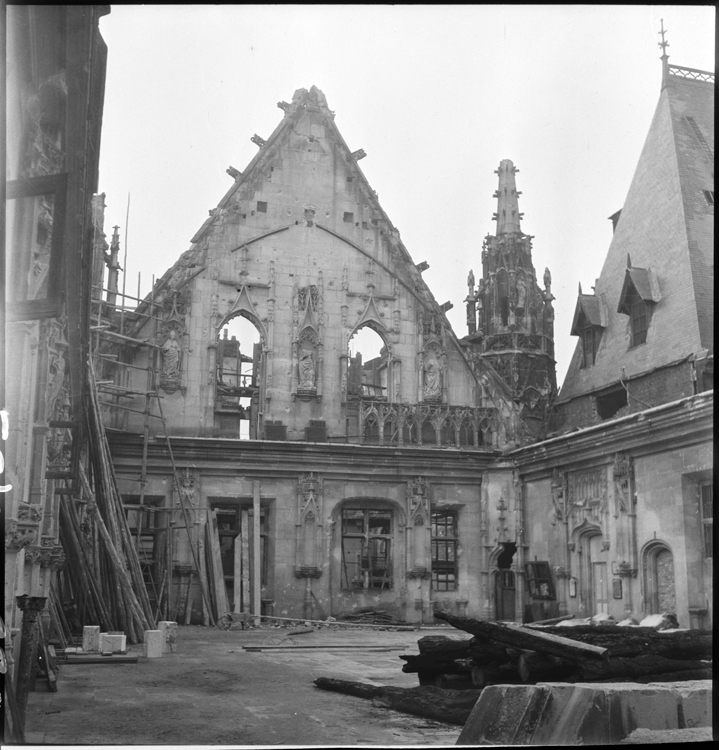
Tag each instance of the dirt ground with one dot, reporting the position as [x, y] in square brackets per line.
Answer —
[213, 692]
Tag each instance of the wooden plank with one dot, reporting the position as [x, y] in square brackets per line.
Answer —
[222, 606]
[524, 638]
[237, 583]
[245, 543]
[206, 612]
[115, 659]
[256, 560]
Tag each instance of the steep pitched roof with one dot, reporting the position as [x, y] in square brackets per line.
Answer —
[667, 227]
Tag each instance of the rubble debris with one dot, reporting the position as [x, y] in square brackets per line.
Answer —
[429, 702]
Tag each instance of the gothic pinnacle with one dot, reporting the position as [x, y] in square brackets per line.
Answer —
[507, 215]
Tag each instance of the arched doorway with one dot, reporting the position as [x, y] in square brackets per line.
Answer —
[659, 584]
[239, 361]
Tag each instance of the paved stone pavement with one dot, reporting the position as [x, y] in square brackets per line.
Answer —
[213, 692]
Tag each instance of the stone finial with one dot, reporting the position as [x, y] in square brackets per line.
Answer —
[507, 215]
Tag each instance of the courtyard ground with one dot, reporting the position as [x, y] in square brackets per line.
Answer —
[213, 692]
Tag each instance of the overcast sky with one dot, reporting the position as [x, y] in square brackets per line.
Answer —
[436, 95]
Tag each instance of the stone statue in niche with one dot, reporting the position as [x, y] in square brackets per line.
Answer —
[307, 369]
[521, 292]
[171, 352]
[432, 377]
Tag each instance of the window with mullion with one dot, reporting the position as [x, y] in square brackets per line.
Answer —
[444, 551]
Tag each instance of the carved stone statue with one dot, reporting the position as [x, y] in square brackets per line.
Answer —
[307, 369]
[171, 360]
[521, 292]
[470, 282]
[547, 280]
[432, 385]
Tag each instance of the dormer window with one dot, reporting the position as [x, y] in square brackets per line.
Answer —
[639, 295]
[590, 319]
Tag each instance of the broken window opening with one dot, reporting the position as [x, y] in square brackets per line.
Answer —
[348, 217]
[608, 404]
[366, 546]
[239, 354]
[262, 207]
[368, 365]
[444, 551]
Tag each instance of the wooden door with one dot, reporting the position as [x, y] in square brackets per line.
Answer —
[504, 595]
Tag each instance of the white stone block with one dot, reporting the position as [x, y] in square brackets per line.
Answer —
[169, 630]
[113, 643]
[91, 638]
[153, 645]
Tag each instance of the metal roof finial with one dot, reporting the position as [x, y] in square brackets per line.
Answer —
[665, 57]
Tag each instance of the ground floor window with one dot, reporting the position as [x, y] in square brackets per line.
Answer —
[366, 549]
[444, 551]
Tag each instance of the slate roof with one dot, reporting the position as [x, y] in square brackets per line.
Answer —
[667, 227]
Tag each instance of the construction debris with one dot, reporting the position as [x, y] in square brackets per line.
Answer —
[502, 653]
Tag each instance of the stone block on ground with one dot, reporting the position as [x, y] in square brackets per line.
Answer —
[91, 638]
[695, 699]
[169, 630]
[580, 714]
[668, 736]
[153, 643]
[113, 643]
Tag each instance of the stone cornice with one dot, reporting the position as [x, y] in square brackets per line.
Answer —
[285, 459]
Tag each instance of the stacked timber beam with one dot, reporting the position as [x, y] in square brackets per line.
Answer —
[452, 672]
[103, 584]
[501, 653]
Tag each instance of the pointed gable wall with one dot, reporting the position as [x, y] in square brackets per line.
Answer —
[301, 232]
[664, 228]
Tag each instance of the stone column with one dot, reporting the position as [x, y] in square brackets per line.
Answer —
[31, 607]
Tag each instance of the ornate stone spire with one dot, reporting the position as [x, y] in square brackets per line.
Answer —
[507, 216]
